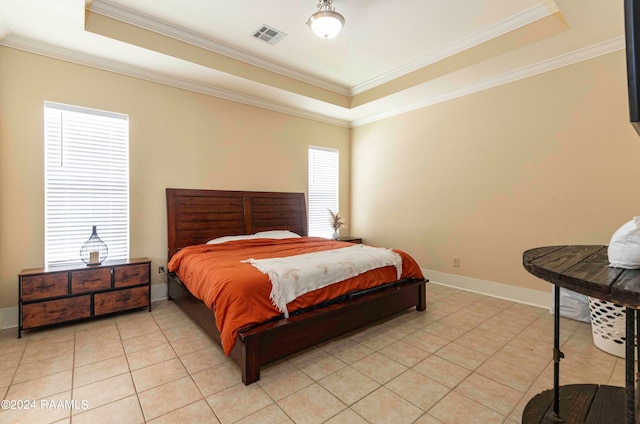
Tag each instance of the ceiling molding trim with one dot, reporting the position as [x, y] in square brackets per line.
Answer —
[512, 23]
[590, 52]
[45, 49]
[54, 52]
[121, 13]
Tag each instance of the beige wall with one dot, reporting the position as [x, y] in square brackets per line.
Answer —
[177, 139]
[547, 160]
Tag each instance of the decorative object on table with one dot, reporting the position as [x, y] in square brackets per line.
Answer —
[608, 319]
[624, 247]
[337, 222]
[94, 250]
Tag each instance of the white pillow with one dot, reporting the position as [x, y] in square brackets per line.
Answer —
[624, 248]
[230, 238]
[276, 234]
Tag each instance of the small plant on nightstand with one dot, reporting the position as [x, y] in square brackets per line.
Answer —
[337, 222]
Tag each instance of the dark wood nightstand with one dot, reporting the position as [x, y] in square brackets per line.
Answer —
[355, 240]
[69, 293]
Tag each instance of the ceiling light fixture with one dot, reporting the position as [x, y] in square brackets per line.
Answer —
[326, 22]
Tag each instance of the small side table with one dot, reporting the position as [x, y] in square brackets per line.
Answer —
[54, 295]
[585, 270]
[355, 240]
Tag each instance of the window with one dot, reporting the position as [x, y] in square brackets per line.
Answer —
[323, 190]
[86, 181]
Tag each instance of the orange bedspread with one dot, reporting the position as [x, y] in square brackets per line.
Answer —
[239, 294]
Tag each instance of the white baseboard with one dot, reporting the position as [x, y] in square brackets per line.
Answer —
[9, 316]
[158, 292]
[538, 298]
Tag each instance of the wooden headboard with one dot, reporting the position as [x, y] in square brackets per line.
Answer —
[197, 216]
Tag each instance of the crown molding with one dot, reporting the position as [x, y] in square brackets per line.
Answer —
[127, 15]
[586, 53]
[44, 49]
[92, 61]
[512, 23]
[145, 21]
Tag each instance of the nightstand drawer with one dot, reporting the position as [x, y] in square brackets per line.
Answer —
[54, 311]
[131, 275]
[120, 300]
[88, 280]
[43, 286]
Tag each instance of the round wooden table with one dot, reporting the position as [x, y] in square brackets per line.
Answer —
[585, 269]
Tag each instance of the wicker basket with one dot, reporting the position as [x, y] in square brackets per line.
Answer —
[608, 322]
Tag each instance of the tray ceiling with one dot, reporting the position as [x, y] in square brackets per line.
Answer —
[391, 56]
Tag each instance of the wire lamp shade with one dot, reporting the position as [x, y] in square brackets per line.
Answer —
[94, 251]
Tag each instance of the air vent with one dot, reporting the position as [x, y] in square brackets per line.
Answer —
[269, 35]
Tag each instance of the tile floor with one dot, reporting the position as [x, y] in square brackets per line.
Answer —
[468, 359]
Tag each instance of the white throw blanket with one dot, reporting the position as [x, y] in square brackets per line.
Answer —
[293, 276]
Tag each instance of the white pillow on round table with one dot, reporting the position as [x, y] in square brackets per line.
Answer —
[624, 248]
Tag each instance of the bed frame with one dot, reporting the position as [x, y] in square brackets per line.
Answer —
[196, 216]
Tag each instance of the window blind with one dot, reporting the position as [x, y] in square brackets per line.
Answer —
[323, 190]
[86, 181]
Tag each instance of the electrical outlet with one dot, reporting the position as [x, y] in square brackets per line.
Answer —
[161, 270]
[456, 262]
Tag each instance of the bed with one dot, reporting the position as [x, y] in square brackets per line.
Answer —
[196, 216]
